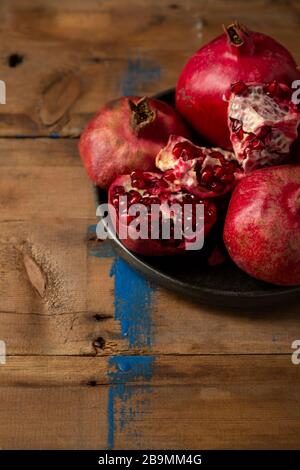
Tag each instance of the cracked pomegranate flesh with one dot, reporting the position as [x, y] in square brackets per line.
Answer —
[149, 191]
[125, 134]
[263, 123]
[205, 172]
[262, 226]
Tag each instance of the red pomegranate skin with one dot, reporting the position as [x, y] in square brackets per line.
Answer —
[262, 226]
[113, 143]
[204, 83]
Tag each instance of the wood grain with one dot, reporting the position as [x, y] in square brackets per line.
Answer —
[193, 402]
[219, 379]
[74, 58]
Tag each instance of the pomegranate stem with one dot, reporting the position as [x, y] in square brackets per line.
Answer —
[141, 113]
[239, 39]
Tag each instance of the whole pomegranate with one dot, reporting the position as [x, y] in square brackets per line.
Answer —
[205, 172]
[236, 55]
[145, 192]
[262, 226]
[127, 134]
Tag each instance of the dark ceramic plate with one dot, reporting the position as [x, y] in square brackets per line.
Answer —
[190, 274]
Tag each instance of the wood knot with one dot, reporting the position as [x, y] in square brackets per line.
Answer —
[58, 98]
[35, 275]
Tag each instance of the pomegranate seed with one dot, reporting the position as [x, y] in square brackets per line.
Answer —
[156, 200]
[207, 176]
[218, 171]
[239, 88]
[119, 190]
[229, 167]
[217, 186]
[134, 197]
[136, 174]
[147, 201]
[256, 144]
[228, 178]
[177, 150]
[185, 155]
[284, 92]
[217, 155]
[199, 153]
[138, 183]
[115, 201]
[127, 219]
[236, 125]
[271, 88]
[162, 184]
[240, 134]
[169, 176]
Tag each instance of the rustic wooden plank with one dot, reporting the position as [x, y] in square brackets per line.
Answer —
[90, 60]
[39, 152]
[189, 402]
[50, 418]
[202, 369]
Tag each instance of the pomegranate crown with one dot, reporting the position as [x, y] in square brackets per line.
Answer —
[141, 113]
[239, 38]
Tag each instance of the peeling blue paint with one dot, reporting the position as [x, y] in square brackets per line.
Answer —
[125, 370]
[133, 302]
[100, 249]
[139, 73]
[133, 298]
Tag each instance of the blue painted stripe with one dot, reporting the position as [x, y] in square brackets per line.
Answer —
[126, 369]
[133, 304]
[101, 249]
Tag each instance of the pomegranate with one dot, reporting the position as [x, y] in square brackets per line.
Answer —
[262, 226]
[263, 123]
[205, 172]
[149, 189]
[126, 134]
[205, 81]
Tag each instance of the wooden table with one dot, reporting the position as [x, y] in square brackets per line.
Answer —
[96, 357]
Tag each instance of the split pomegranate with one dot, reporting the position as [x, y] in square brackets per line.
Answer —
[262, 226]
[205, 172]
[237, 55]
[127, 134]
[263, 123]
[149, 191]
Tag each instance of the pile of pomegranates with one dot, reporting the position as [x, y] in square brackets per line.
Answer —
[231, 147]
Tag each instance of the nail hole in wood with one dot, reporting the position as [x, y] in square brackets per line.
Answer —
[98, 317]
[99, 343]
[14, 60]
[92, 383]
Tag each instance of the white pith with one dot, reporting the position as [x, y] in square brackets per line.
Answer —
[184, 170]
[256, 110]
